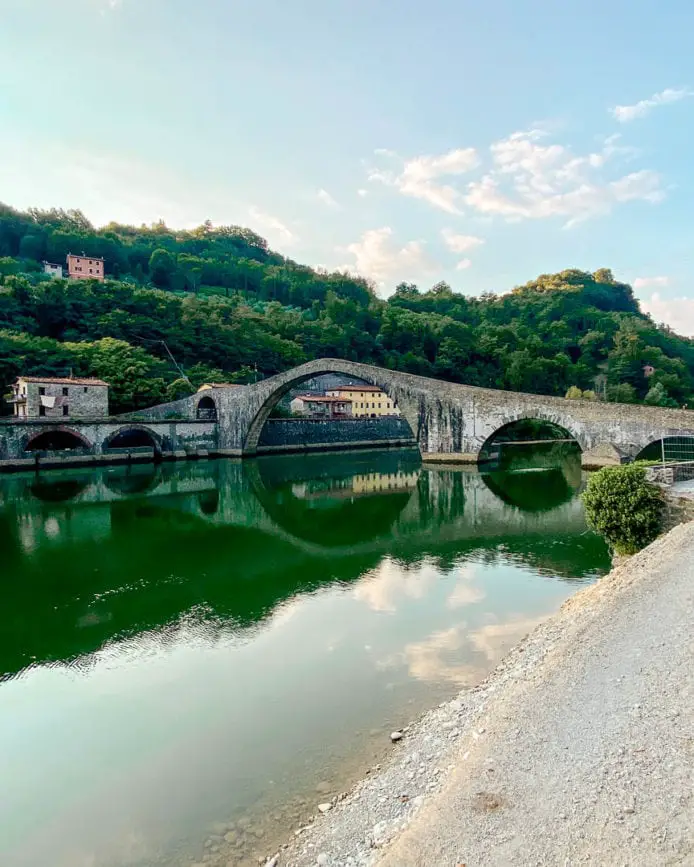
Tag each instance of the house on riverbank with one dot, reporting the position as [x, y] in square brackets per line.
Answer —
[59, 397]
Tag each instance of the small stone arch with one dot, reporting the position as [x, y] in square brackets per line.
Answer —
[132, 436]
[58, 438]
[669, 447]
[206, 409]
[534, 415]
[283, 383]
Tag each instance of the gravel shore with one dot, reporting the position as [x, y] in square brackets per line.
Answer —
[578, 748]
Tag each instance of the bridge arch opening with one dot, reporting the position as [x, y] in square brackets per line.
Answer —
[206, 409]
[365, 410]
[133, 438]
[57, 440]
[668, 450]
[527, 443]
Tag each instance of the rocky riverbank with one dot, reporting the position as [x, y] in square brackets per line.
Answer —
[577, 747]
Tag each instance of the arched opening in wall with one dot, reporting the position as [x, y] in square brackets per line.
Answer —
[515, 454]
[330, 410]
[530, 444]
[132, 438]
[206, 409]
[668, 450]
[59, 440]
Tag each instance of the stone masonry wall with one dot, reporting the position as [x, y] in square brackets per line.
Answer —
[304, 433]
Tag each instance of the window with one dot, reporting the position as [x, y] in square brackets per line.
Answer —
[373, 406]
[42, 410]
[91, 270]
[65, 392]
[42, 390]
[85, 389]
[66, 409]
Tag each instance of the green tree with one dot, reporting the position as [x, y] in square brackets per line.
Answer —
[624, 392]
[574, 393]
[162, 268]
[624, 507]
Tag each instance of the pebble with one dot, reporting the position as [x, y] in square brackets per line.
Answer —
[396, 736]
[325, 808]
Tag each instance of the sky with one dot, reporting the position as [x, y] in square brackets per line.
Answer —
[481, 143]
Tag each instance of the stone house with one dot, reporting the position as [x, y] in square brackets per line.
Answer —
[59, 397]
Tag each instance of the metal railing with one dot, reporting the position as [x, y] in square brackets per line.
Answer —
[676, 449]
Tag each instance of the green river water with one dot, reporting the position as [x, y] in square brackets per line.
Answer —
[214, 648]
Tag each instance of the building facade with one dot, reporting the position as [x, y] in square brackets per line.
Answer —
[84, 267]
[53, 269]
[367, 400]
[56, 397]
[321, 406]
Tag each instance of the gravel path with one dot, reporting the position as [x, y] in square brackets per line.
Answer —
[579, 748]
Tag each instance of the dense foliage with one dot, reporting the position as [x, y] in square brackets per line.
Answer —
[625, 508]
[225, 306]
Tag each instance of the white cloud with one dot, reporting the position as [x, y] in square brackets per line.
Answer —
[650, 282]
[362, 193]
[325, 197]
[626, 113]
[463, 264]
[378, 257]
[460, 243]
[678, 313]
[531, 180]
[420, 177]
[277, 231]
[525, 177]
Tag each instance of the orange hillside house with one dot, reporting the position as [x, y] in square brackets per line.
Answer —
[84, 267]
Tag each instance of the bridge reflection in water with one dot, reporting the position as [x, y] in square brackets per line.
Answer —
[176, 636]
[215, 524]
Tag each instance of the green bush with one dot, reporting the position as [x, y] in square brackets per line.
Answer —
[623, 507]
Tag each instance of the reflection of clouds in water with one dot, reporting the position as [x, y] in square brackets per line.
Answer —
[387, 584]
[465, 592]
[495, 639]
[390, 581]
[438, 657]
[452, 655]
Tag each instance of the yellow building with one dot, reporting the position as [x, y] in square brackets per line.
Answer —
[367, 400]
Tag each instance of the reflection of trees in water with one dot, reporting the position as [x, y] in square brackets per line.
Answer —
[163, 560]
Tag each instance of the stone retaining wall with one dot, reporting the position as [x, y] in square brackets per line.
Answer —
[305, 434]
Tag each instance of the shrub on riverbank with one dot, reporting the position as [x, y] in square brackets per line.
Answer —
[624, 507]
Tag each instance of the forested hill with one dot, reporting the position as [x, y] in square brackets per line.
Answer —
[230, 309]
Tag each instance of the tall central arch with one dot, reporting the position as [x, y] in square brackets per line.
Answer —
[284, 383]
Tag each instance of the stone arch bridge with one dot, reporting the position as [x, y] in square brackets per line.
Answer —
[449, 421]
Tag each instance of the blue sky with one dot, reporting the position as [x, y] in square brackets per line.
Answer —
[478, 142]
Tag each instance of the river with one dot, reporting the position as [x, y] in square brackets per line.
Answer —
[208, 649]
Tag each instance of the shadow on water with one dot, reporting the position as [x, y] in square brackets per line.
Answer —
[95, 557]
